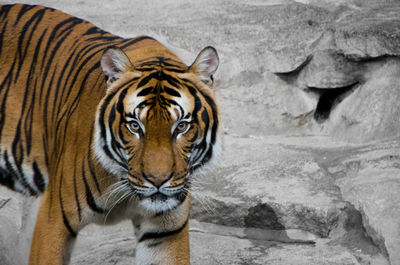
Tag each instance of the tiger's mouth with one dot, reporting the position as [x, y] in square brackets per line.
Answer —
[162, 199]
[159, 203]
[158, 196]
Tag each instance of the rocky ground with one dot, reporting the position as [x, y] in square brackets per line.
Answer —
[310, 173]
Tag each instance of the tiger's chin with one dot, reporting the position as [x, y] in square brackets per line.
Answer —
[159, 203]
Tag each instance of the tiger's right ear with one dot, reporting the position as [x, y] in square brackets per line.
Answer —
[206, 64]
[114, 63]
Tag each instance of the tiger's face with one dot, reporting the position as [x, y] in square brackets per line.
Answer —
[157, 125]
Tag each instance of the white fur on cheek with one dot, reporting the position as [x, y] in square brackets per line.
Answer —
[213, 162]
[104, 160]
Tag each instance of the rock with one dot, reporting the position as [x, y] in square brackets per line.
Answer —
[268, 185]
[286, 183]
[366, 114]
[236, 250]
[17, 218]
[328, 69]
[370, 32]
[371, 182]
[106, 245]
[233, 245]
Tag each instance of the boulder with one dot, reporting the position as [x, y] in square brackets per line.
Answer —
[370, 180]
[370, 32]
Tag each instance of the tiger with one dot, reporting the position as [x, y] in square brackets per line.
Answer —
[103, 128]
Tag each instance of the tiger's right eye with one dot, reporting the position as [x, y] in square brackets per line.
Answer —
[182, 127]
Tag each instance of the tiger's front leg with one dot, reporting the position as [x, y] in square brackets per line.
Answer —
[51, 235]
[164, 249]
[164, 239]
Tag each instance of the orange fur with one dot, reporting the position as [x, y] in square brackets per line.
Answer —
[103, 134]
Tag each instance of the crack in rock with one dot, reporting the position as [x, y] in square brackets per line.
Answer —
[3, 202]
[291, 236]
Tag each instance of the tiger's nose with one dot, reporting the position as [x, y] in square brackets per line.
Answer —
[157, 181]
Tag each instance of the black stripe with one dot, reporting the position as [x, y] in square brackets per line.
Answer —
[38, 177]
[24, 9]
[205, 117]
[94, 30]
[5, 85]
[90, 160]
[2, 32]
[16, 146]
[6, 178]
[197, 102]
[46, 106]
[64, 216]
[104, 38]
[89, 196]
[155, 235]
[4, 11]
[78, 205]
[147, 79]
[28, 121]
[130, 42]
[145, 91]
[21, 55]
[115, 145]
[170, 79]
[172, 92]
[215, 117]
[73, 22]
[45, 149]
[37, 50]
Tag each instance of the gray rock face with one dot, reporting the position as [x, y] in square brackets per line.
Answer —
[17, 220]
[370, 181]
[309, 94]
[290, 183]
[371, 32]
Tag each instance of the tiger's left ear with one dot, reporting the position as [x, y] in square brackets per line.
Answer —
[206, 64]
[114, 63]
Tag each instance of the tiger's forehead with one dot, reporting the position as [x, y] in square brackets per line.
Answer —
[158, 95]
[160, 63]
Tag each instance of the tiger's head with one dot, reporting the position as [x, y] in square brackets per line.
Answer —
[157, 125]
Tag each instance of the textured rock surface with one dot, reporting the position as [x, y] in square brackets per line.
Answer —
[304, 88]
[370, 181]
[17, 219]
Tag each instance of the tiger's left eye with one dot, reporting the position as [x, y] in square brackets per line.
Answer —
[181, 127]
[133, 126]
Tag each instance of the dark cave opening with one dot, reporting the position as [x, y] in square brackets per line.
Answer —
[328, 98]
